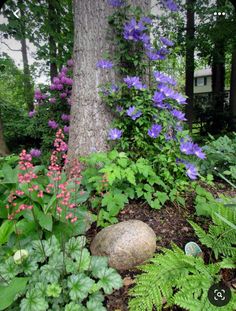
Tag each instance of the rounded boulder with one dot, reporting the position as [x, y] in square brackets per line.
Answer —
[126, 244]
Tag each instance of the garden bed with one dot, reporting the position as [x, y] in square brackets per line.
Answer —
[170, 225]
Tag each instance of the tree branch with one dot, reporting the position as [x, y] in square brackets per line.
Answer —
[11, 48]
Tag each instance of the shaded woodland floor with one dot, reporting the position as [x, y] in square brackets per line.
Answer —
[170, 225]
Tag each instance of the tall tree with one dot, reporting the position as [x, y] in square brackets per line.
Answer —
[233, 79]
[218, 72]
[189, 65]
[3, 147]
[90, 117]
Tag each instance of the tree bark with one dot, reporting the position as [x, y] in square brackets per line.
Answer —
[51, 41]
[28, 88]
[90, 118]
[218, 79]
[189, 66]
[3, 147]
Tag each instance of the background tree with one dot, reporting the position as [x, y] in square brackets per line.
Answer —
[90, 117]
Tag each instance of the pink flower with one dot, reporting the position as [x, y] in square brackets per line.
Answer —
[52, 100]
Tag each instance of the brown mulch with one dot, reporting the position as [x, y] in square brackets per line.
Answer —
[170, 225]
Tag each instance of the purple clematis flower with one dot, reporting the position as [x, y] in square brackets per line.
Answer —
[178, 115]
[158, 97]
[119, 108]
[146, 19]
[166, 41]
[198, 152]
[133, 30]
[36, 153]
[179, 98]
[116, 3]
[187, 147]
[114, 134]
[171, 5]
[104, 64]
[191, 171]
[155, 130]
[133, 113]
[134, 82]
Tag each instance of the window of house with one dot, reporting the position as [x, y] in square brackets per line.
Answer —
[201, 81]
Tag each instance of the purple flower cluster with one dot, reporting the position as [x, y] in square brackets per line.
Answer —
[36, 153]
[65, 117]
[114, 134]
[104, 64]
[133, 113]
[178, 115]
[53, 124]
[191, 171]
[134, 82]
[155, 130]
[171, 5]
[190, 148]
[133, 30]
[116, 3]
[162, 78]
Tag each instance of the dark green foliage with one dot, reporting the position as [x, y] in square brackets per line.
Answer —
[220, 156]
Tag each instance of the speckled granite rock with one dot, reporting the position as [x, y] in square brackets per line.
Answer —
[127, 244]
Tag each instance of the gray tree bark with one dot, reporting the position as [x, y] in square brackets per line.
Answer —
[90, 118]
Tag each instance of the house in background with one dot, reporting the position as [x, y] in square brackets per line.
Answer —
[203, 88]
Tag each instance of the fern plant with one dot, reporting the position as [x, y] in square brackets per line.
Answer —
[221, 235]
[173, 278]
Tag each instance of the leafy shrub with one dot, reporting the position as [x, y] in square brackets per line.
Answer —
[45, 276]
[220, 154]
[113, 178]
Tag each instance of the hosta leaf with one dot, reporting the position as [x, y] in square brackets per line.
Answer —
[109, 280]
[79, 286]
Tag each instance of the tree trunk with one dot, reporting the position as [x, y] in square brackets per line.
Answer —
[232, 102]
[189, 67]
[90, 118]
[52, 15]
[218, 78]
[3, 147]
[28, 88]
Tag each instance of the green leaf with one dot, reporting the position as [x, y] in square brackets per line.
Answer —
[45, 220]
[9, 292]
[79, 286]
[98, 263]
[162, 196]
[74, 246]
[229, 223]
[109, 280]
[33, 302]
[130, 176]
[83, 261]
[6, 229]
